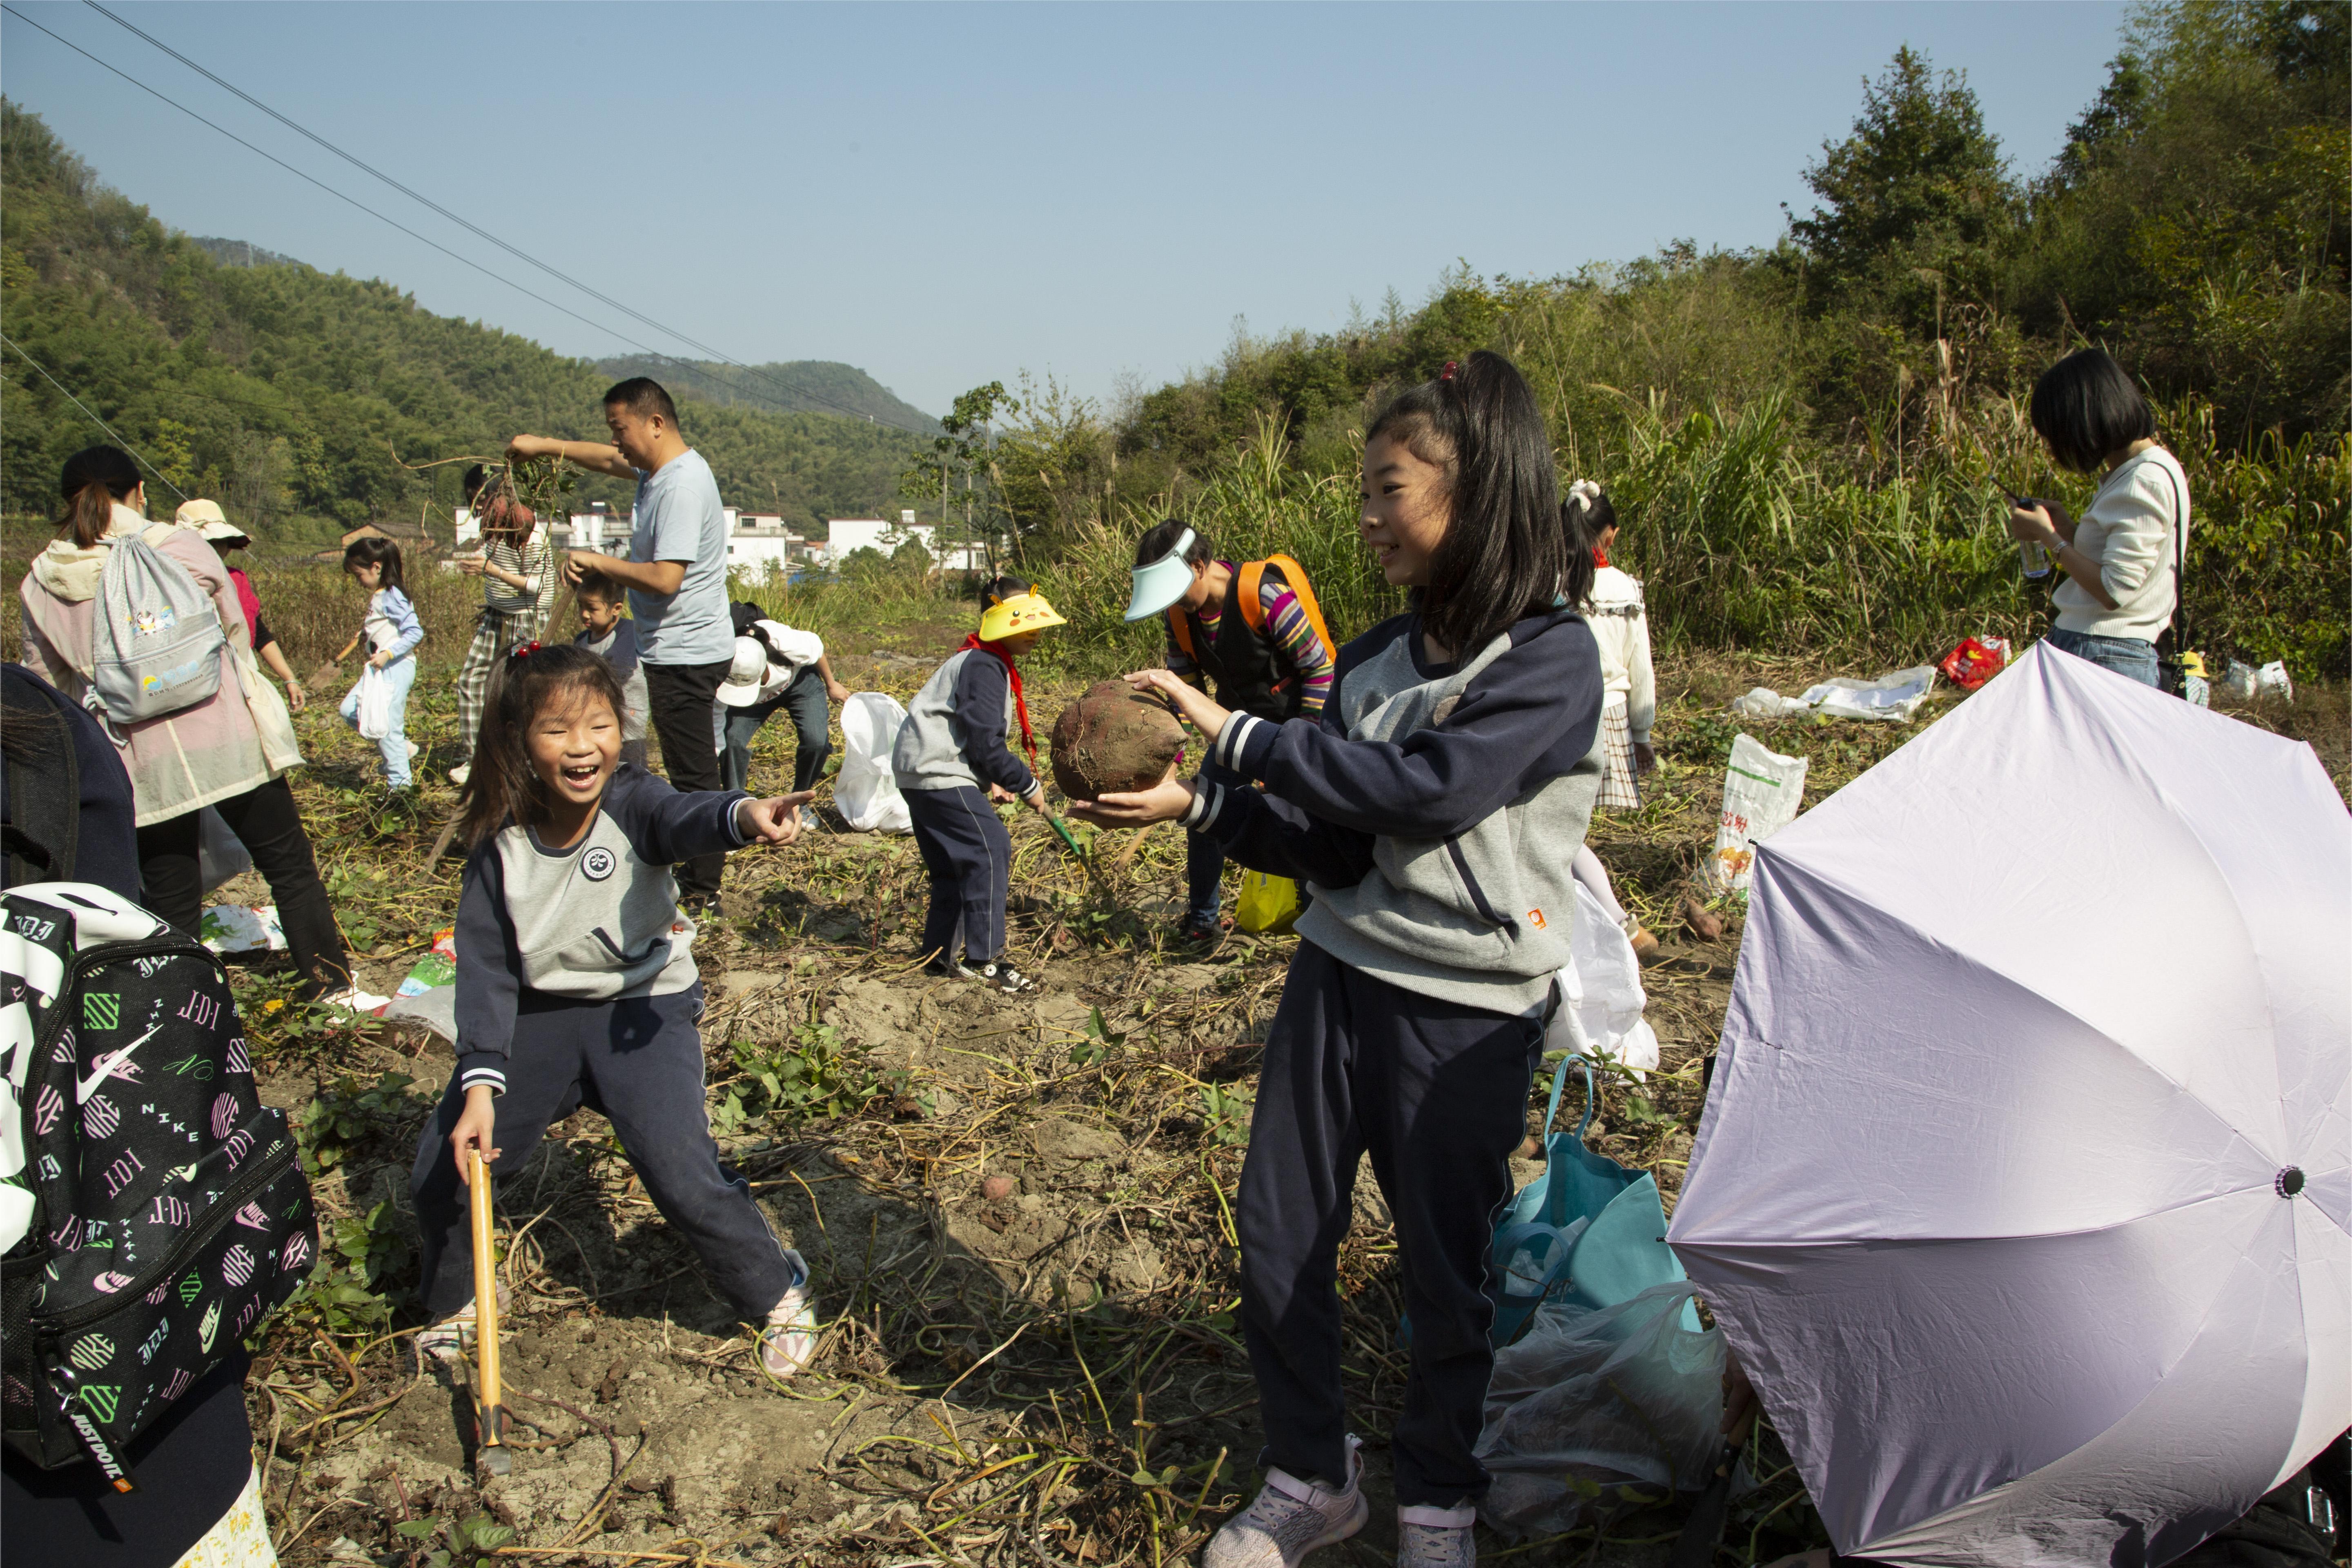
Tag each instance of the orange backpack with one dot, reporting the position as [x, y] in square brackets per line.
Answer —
[1252, 574]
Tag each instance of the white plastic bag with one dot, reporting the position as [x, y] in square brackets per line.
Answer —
[220, 853]
[1761, 791]
[374, 714]
[1763, 702]
[865, 792]
[1587, 1404]
[2239, 680]
[2272, 680]
[240, 927]
[1894, 696]
[1601, 994]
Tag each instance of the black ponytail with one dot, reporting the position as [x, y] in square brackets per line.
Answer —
[94, 479]
[1504, 554]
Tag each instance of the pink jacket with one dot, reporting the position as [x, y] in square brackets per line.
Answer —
[233, 740]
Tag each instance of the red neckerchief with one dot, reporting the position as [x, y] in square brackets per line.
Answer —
[1599, 556]
[1020, 703]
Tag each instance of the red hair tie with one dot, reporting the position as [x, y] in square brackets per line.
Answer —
[1447, 373]
[524, 651]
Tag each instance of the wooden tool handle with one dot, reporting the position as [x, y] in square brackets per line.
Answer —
[486, 1305]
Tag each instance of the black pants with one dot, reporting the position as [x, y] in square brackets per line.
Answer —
[1437, 1092]
[265, 817]
[638, 1063]
[970, 857]
[681, 696]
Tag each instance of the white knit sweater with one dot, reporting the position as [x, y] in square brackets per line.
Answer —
[2129, 530]
[1621, 625]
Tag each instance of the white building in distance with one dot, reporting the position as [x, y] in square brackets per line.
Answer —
[848, 535]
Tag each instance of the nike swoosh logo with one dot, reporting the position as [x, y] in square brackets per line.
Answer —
[103, 1068]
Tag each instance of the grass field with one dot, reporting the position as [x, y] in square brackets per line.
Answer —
[1018, 1212]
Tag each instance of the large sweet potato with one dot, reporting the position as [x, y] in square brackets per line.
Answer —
[1114, 738]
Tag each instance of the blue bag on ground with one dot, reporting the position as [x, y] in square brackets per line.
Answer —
[1589, 1232]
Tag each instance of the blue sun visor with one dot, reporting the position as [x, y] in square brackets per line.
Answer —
[1159, 583]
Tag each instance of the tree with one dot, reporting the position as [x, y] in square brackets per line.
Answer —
[1920, 182]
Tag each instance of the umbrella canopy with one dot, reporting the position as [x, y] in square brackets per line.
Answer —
[2023, 1184]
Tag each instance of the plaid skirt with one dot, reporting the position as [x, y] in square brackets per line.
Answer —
[1620, 789]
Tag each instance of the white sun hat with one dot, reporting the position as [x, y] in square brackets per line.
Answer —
[1159, 583]
[747, 677]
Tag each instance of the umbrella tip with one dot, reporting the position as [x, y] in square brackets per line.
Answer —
[2290, 1182]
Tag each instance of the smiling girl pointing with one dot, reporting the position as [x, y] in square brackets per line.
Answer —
[576, 985]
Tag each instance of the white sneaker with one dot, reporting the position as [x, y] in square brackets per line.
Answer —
[1437, 1537]
[788, 1339]
[460, 773]
[1291, 1518]
[448, 1340]
[809, 821]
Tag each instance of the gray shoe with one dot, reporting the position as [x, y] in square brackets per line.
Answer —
[1437, 1537]
[1289, 1518]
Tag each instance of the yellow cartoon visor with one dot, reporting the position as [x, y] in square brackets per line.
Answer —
[1022, 613]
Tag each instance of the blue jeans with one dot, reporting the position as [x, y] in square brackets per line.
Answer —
[402, 673]
[2133, 657]
[733, 730]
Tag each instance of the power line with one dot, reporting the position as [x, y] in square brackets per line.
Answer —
[94, 419]
[468, 225]
[330, 190]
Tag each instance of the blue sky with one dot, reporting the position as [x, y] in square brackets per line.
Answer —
[949, 194]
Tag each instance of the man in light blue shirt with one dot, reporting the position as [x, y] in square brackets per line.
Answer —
[676, 574]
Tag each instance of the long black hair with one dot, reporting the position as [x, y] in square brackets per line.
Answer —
[373, 551]
[502, 783]
[1504, 554]
[94, 479]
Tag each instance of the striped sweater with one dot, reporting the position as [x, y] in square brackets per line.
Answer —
[1289, 630]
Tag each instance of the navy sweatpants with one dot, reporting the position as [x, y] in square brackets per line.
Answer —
[638, 1063]
[1437, 1092]
[969, 855]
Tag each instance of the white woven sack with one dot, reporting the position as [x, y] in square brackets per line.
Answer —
[866, 793]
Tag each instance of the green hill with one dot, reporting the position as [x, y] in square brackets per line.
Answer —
[790, 386]
[285, 392]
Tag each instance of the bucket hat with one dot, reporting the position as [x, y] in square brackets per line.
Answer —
[1159, 583]
[207, 519]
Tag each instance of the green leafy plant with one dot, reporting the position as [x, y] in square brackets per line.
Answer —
[345, 1115]
[809, 1075]
[472, 1542]
[1225, 1109]
[1099, 1042]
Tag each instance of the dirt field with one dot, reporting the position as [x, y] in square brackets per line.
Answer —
[1016, 1211]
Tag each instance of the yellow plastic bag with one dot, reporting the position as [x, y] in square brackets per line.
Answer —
[1267, 903]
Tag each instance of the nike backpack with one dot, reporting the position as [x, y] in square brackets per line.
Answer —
[155, 641]
[151, 1207]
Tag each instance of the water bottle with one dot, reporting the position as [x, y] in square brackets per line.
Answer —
[2035, 558]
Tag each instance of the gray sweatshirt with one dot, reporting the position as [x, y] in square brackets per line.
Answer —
[960, 728]
[1435, 810]
[592, 924]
